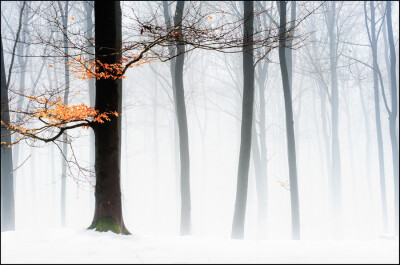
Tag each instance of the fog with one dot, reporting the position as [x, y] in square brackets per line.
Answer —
[213, 91]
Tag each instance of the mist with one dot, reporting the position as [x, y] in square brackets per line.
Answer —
[341, 169]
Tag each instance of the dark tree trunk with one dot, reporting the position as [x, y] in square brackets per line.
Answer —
[182, 126]
[247, 120]
[108, 44]
[288, 51]
[294, 196]
[7, 180]
[393, 116]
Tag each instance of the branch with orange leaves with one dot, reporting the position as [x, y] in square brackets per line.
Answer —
[55, 114]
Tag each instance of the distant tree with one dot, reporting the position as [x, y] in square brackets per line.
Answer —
[7, 179]
[291, 148]
[393, 115]
[373, 40]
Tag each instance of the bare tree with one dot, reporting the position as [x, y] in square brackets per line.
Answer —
[291, 148]
[247, 120]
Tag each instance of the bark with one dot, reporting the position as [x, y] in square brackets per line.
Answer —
[393, 115]
[182, 126]
[7, 180]
[247, 120]
[108, 44]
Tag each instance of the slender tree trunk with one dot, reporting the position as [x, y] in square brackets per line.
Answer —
[247, 120]
[175, 141]
[262, 182]
[21, 47]
[350, 145]
[182, 126]
[288, 51]
[66, 94]
[336, 164]
[108, 45]
[291, 149]
[378, 118]
[367, 141]
[320, 149]
[7, 180]
[393, 116]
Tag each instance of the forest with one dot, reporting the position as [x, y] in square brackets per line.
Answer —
[199, 131]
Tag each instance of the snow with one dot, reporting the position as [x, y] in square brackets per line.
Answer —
[85, 246]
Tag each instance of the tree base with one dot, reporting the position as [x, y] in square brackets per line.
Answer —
[105, 224]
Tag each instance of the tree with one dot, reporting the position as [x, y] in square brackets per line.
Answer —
[393, 115]
[335, 181]
[294, 196]
[182, 125]
[64, 17]
[372, 36]
[7, 180]
[108, 46]
[247, 120]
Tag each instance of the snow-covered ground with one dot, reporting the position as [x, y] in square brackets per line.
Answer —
[83, 246]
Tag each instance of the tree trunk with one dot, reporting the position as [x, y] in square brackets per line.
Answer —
[294, 197]
[22, 63]
[247, 120]
[182, 126]
[378, 118]
[336, 164]
[108, 44]
[367, 141]
[288, 51]
[7, 180]
[261, 184]
[175, 141]
[65, 101]
[393, 116]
